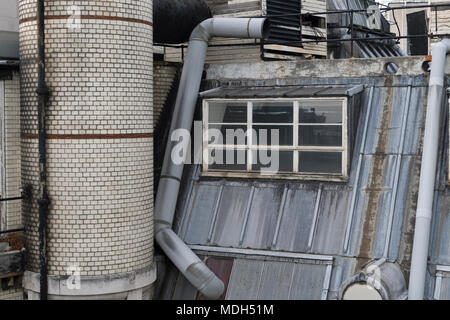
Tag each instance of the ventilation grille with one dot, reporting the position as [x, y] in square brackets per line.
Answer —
[286, 26]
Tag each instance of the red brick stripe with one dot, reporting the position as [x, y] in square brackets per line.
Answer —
[89, 136]
[88, 17]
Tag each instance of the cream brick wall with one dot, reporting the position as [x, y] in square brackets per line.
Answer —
[442, 19]
[11, 212]
[442, 15]
[100, 135]
[164, 76]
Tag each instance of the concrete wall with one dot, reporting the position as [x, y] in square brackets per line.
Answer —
[9, 20]
[10, 212]
[99, 145]
[443, 19]
[330, 68]
[9, 27]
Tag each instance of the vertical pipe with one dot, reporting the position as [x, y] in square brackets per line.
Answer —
[43, 201]
[194, 270]
[419, 258]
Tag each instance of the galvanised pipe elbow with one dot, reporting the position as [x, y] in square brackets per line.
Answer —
[198, 274]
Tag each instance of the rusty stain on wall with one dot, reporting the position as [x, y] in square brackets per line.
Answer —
[376, 179]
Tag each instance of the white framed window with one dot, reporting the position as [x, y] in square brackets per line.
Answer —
[280, 138]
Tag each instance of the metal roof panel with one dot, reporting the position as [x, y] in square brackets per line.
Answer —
[280, 92]
[374, 186]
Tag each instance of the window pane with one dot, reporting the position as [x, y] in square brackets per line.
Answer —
[273, 135]
[320, 111]
[330, 136]
[273, 161]
[227, 112]
[227, 134]
[320, 162]
[231, 160]
[273, 112]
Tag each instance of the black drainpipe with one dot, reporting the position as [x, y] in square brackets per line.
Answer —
[43, 201]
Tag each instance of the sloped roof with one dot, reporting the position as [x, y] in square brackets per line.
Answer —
[281, 216]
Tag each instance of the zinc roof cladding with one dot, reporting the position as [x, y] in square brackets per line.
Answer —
[397, 109]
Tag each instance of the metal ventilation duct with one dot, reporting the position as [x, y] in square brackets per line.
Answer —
[178, 252]
[173, 21]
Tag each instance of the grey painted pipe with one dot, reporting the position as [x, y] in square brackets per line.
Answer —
[178, 252]
[427, 182]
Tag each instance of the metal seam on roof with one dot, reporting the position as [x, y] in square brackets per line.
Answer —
[358, 171]
[253, 252]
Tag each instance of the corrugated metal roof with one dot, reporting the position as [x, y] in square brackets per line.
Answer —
[275, 280]
[216, 212]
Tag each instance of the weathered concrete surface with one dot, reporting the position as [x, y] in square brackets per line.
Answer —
[9, 20]
[317, 68]
[94, 286]
[9, 29]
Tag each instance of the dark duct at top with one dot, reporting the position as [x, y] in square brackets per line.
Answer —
[174, 20]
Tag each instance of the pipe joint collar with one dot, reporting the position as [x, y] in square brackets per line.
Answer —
[203, 32]
[439, 53]
[205, 280]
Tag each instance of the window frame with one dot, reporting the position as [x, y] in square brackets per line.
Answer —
[295, 148]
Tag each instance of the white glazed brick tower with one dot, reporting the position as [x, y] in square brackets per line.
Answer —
[99, 146]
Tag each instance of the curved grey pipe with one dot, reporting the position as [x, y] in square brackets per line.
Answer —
[430, 152]
[178, 252]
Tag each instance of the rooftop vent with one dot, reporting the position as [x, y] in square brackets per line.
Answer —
[286, 25]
